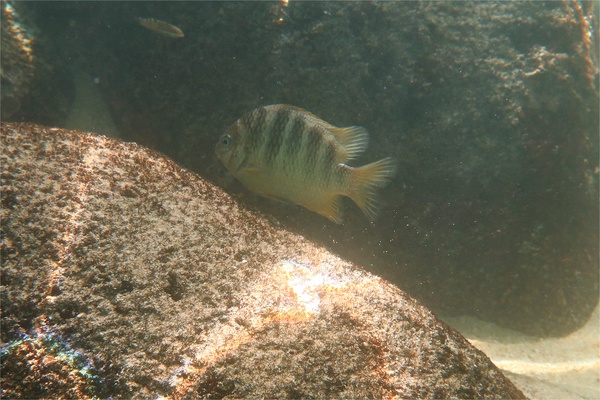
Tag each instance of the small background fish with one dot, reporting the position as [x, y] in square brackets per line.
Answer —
[161, 27]
[286, 153]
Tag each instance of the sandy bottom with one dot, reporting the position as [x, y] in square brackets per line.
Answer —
[547, 368]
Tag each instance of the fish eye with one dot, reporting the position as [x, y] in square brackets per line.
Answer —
[226, 140]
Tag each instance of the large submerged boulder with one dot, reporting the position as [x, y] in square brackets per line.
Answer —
[125, 275]
[490, 108]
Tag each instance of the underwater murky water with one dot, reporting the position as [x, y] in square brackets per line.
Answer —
[490, 111]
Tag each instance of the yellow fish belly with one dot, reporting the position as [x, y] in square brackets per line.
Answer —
[313, 195]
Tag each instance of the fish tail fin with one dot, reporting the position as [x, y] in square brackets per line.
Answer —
[364, 182]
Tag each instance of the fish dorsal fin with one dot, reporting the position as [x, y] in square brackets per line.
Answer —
[353, 140]
[318, 120]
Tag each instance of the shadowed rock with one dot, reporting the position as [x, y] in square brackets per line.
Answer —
[17, 60]
[125, 275]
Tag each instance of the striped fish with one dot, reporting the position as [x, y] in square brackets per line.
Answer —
[286, 153]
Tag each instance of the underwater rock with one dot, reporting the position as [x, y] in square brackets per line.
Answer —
[36, 68]
[125, 275]
[43, 365]
[17, 60]
[491, 109]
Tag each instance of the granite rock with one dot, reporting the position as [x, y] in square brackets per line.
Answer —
[126, 276]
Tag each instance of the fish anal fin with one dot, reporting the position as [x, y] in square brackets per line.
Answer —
[329, 208]
[364, 182]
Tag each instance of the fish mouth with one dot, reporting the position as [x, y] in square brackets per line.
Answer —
[226, 158]
[222, 156]
[241, 164]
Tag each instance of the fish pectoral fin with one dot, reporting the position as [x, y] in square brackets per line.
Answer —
[277, 199]
[252, 169]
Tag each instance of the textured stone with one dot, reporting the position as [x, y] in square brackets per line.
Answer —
[125, 275]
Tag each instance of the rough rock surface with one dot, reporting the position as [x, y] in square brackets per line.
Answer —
[17, 61]
[124, 275]
[491, 109]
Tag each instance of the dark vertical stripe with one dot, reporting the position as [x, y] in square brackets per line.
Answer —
[294, 140]
[329, 157]
[311, 147]
[328, 162]
[275, 135]
[254, 124]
